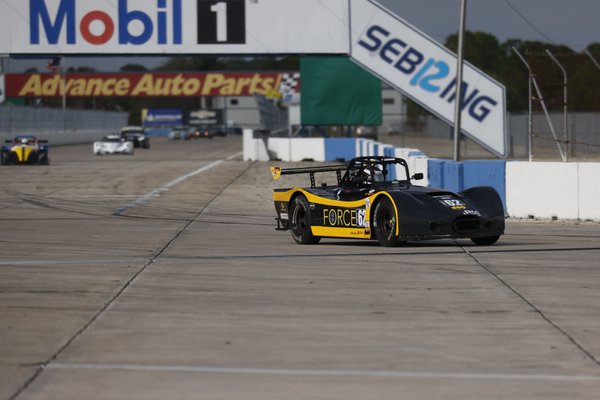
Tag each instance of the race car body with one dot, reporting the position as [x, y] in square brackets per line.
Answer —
[136, 135]
[199, 132]
[24, 149]
[113, 144]
[376, 199]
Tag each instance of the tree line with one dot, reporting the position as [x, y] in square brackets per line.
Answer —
[500, 61]
[481, 49]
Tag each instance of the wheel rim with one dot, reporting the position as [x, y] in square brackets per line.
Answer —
[386, 223]
[299, 219]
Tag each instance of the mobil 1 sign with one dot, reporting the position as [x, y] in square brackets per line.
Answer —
[221, 21]
[173, 26]
[426, 71]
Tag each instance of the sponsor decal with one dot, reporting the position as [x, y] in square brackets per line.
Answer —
[161, 117]
[284, 216]
[426, 73]
[174, 27]
[276, 172]
[64, 22]
[222, 21]
[345, 218]
[159, 22]
[472, 212]
[142, 85]
[205, 117]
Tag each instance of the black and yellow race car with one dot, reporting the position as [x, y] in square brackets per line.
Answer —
[375, 198]
[24, 149]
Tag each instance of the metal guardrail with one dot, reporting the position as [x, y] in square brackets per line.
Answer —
[59, 126]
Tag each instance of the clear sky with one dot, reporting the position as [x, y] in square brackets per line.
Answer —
[575, 23]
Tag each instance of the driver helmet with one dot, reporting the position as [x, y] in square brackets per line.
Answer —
[378, 174]
[375, 176]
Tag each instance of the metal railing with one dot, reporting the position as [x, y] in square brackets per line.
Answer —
[59, 126]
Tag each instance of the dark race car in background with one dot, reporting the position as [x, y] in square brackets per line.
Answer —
[199, 132]
[24, 149]
[136, 135]
[376, 199]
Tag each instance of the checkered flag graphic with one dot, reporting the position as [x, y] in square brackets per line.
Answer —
[290, 83]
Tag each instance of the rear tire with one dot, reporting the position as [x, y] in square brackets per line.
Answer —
[384, 223]
[300, 222]
[485, 241]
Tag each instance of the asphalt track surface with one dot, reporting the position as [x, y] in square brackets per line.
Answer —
[160, 276]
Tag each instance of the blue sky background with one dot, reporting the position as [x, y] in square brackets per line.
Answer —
[575, 23]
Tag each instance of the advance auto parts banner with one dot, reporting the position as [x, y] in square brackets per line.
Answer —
[144, 84]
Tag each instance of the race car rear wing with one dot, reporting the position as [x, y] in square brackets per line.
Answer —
[277, 172]
[9, 141]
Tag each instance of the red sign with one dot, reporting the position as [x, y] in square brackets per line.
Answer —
[149, 84]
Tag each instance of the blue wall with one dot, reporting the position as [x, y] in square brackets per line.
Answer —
[486, 173]
[453, 176]
[435, 173]
[458, 176]
[340, 148]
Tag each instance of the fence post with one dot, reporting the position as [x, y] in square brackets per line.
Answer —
[565, 82]
[542, 101]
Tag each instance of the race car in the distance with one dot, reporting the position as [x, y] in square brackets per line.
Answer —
[199, 132]
[113, 144]
[24, 149]
[136, 135]
[375, 198]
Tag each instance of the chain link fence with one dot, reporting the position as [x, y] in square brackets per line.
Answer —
[273, 118]
[59, 126]
[580, 141]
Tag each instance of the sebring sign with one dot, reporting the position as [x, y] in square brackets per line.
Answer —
[425, 71]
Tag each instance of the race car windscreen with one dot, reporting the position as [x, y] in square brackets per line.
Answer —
[368, 172]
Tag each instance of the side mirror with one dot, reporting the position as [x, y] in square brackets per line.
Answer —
[417, 177]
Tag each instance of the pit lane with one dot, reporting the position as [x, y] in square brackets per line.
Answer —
[160, 275]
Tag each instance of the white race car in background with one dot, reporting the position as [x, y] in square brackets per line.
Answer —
[113, 144]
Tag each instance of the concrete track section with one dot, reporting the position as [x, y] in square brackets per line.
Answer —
[160, 275]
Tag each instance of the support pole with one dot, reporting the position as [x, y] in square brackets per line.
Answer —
[596, 63]
[565, 83]
[459, 79]
[63, 72]
[529, 102]
[2, 86]
[543, 103]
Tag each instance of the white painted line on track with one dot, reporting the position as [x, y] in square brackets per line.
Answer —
[167, 186]
[326, 372]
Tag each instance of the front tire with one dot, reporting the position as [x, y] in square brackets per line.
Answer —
[300, 222]
[485, 241]
[385, 222]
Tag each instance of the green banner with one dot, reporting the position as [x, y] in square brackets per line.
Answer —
[336, 91]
